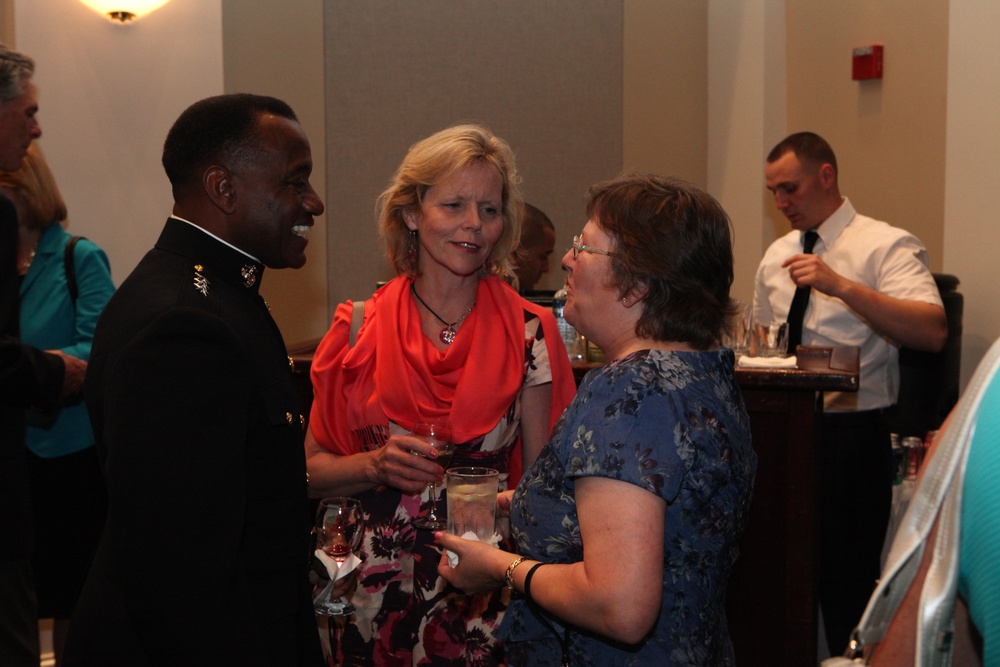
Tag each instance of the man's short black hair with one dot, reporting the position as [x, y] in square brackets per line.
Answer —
[216, 130]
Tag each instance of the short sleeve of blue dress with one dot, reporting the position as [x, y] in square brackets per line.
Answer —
[672, 423]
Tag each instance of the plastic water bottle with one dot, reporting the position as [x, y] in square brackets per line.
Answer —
[571, 339]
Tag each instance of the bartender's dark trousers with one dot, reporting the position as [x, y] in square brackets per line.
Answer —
[855, 503]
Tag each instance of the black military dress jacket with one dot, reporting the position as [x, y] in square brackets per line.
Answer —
[204, 559]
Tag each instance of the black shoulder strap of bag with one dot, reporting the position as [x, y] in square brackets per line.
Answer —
[71, 268]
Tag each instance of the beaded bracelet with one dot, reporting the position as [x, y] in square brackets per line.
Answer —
[510, 571]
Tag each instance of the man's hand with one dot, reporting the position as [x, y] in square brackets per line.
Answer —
[914, 324]
[76, 368]
[811, 271]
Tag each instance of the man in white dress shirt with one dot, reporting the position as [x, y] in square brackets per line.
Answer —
[870, 286]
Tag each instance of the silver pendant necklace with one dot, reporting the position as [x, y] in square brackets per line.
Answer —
[447, 334]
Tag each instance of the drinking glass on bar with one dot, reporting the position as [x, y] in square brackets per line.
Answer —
[773, 340]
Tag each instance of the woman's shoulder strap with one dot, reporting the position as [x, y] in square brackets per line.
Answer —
[71, 267]
[357, 317]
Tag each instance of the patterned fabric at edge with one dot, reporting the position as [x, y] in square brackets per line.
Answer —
[393, 376]
[674, 424]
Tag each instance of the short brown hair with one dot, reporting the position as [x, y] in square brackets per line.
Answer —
[807, 147]
[672, 240]
[432, 161]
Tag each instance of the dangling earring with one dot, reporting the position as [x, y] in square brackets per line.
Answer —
[411, 249]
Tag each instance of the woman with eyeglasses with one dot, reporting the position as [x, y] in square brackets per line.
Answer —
[627, 523]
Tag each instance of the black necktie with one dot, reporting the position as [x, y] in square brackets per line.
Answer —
[801, 299]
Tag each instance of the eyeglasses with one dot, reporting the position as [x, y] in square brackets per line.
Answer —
[578, 247]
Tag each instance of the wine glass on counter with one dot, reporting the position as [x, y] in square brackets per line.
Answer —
[439, 435]
[340, 525]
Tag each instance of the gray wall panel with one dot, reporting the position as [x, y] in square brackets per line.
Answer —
[544, 75]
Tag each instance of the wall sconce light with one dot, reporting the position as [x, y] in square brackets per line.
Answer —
[124, 10]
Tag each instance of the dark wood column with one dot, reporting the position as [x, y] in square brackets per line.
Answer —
[772, 593]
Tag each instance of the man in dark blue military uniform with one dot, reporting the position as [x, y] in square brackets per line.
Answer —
[205, 555]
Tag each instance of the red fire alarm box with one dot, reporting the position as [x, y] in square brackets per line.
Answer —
[866, 62]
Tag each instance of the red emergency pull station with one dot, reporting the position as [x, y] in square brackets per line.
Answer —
[866, 62]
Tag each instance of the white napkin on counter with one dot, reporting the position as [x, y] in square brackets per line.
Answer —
[348, 566]
[469, 535]
[768, 362]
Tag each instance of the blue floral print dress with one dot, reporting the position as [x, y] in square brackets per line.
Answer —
[672, 423]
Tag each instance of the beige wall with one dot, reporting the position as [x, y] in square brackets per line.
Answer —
[7, 23]
[972, 235]
[665, 88]
[746, 106]
[277, 49]
[889, 135]
[108, 93]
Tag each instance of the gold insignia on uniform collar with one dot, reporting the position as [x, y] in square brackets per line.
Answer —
[200, 282]
[249, 274]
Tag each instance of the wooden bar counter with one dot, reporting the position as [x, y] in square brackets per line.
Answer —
[772, 593]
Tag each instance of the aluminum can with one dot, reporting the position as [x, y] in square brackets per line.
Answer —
[914, 449]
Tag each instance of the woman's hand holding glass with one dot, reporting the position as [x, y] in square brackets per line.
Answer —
[407, 463]
[438, 435]
[480, 567]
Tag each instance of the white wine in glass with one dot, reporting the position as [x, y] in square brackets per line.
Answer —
[437, 434]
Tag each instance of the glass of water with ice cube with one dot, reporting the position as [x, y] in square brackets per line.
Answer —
[472, 501]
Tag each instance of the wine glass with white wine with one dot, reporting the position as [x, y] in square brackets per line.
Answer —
[340, 525]
[437, 434]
